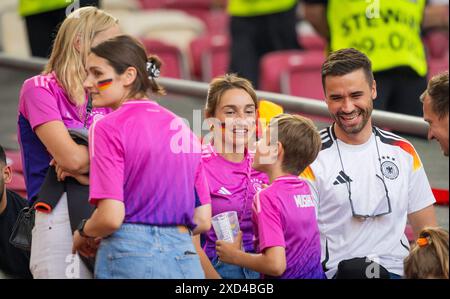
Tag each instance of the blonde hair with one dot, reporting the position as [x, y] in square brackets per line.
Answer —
[65, 60]
[300, 139]
[429, 259]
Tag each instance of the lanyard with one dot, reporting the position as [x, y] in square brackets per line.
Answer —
[342, 164]
[88, 110]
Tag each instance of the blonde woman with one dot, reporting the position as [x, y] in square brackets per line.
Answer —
[50, 104]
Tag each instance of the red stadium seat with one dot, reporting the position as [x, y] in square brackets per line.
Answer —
[312, 42]
[217, 22]
[152, 4]
[210, 56]
[174, 63]
[436, 43]
[274, 64]
[304, 78]
[296, 73]
[441, 196]
[437, 65]
[197, 8]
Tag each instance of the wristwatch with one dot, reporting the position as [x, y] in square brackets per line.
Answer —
[80, 228]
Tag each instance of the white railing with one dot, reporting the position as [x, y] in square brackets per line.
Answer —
[395, 121]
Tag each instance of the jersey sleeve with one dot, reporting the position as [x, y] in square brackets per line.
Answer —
[268, 220]
[40, 106]
[419, 191]
[107, 163]
[202, 194]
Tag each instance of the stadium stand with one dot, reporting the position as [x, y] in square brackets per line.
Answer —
[209, 56]
[174, 62]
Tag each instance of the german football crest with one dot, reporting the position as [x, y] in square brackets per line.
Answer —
[389, 168]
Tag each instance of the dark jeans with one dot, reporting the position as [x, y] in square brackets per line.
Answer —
[399, 90]
[252, 37]
[362, 268]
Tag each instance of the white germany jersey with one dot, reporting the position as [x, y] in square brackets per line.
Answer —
[382, 238]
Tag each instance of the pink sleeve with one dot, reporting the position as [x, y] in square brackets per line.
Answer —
[107, 163]
[40, 106]
[268, 220]
[202, 187]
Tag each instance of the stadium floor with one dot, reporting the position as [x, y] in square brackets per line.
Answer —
[436, 166]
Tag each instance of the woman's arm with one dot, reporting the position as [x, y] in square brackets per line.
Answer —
[271, 262]
[106, 219]
[210, 272]
[202, 217]
[67, 154]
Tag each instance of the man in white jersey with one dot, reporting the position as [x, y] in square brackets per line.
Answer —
[367, 182]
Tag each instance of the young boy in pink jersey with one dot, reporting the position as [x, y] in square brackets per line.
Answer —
[284, 216]
[150, 192]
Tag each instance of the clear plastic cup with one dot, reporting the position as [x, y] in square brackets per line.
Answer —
[226, 226]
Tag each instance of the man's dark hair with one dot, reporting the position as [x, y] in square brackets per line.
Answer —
[346, 61]
[438, 91]
[2, 156]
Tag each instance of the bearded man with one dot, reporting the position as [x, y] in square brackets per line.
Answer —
[367, 182]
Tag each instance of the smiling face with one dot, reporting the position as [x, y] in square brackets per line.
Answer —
[350, 101]
[438, 128]
[106, 87]
[236, 110]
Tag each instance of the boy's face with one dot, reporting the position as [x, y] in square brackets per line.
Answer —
[266, 152]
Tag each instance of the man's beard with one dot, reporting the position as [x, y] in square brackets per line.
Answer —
[365, 114]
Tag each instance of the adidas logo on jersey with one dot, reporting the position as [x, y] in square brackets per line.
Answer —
[342, 178]
[224, 191]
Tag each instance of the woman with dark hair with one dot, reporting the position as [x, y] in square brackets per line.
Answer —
[146, 186]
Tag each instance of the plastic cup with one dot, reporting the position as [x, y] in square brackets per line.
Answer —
[226, 226]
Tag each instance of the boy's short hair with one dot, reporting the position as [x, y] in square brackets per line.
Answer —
[2, 156]
[300, 139]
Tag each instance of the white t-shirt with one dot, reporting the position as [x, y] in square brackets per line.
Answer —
[382, 238]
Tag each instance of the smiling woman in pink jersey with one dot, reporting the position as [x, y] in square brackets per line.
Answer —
[231, 111]
[150, 194]
[49, 105]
